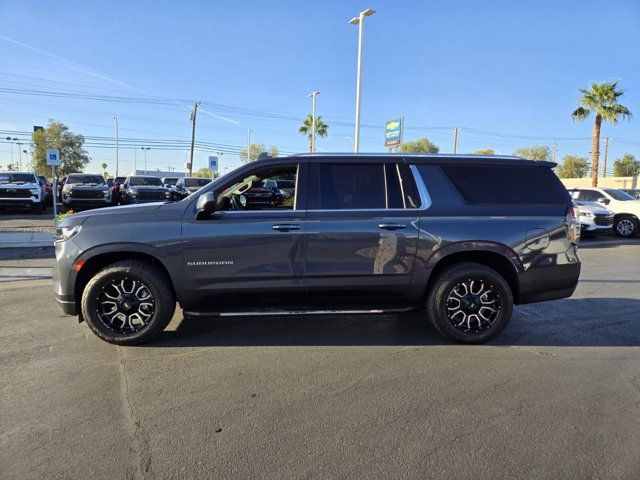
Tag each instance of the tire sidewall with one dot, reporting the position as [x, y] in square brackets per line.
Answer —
[444, 284]
[162, 306]
[635, 227]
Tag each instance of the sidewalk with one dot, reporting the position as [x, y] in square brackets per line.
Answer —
[25, 239]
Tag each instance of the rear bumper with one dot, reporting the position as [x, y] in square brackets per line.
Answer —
[553, 277]
[68, 306]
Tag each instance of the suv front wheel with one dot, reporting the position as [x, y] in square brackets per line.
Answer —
[128, 302]
[469, 303]
[626, 226]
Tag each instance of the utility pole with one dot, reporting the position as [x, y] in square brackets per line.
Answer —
[606, 151]
[455, 140]
[313, 120]
[117, 159]
[19, 156]
[359, 20]
[555, 150]
[248, 145]
[193, 134]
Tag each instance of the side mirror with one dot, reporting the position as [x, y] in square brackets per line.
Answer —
[206, 204]
[604, 201]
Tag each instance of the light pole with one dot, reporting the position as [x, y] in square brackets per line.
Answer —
[11, 140]
[359, 20]
[248, 145]
[117, 162]
[313, 96]
[348, 138]
[145, 150]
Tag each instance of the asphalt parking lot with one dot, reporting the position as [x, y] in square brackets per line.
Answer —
[556, 396]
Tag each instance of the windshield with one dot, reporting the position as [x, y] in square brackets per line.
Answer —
[196, 182]
[17, 178]
[618, 194]
[145, 181]
[86, 180]
[170, 180]
[286, 183]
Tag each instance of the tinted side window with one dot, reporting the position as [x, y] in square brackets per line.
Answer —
[394, 189]
[507, 185]
[590, 195]
[347, 187]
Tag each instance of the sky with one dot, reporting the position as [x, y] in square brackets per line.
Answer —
[506, 73]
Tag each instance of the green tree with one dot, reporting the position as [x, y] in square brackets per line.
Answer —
[255, 150]
[573, 166]
[627, 166]
[307, 127]
[602, 100]
[422, 145]
[104, 169]
[205, 172]
[73, 157]
[485, 151]
[539, 153]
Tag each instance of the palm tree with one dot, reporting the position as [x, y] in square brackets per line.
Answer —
[602, 100]
[104, 167]
[306, 128]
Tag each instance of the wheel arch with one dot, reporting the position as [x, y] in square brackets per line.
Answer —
[96, 259]
[497, 257]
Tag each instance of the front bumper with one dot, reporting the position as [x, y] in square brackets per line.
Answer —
[22, 201]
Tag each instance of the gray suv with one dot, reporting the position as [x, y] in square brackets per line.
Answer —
[462, 238]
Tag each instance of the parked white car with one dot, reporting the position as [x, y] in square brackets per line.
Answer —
[594, 218]
[625, 208]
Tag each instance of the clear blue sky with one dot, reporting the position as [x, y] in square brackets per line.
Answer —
[499, 66]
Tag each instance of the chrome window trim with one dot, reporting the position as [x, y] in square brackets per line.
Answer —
[425, 199]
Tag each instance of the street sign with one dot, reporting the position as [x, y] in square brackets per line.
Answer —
[53, 156]
[213, 163]
[393, 132]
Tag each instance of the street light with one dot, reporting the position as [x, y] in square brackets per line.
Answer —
[11, 141]
[313, 96]
[145, 149]
[359, 20]
[117, 159]
[348, 138]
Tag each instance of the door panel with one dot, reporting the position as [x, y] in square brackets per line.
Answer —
[359, 247]
[350, 257]
[246, 258]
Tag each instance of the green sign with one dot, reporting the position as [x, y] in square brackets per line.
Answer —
[393, 132]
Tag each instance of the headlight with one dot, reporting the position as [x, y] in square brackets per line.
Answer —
[106, 193]
[66, 233]
[133, 193]
[34, 191]
[167, 194]
[586, 214]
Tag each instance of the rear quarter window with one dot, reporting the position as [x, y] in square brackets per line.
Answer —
[507, 185]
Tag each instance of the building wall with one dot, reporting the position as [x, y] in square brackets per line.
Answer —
[607, 182]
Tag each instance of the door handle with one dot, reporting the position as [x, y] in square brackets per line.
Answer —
[392, 226]
[286, 227]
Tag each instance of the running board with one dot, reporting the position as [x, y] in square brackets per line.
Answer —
[263, 313]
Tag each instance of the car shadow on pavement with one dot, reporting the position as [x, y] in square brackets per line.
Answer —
[566, 323]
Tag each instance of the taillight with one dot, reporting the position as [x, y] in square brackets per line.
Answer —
[573, 224]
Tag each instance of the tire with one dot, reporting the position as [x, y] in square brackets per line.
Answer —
[139, 279]
[626, 226]
[448, 315]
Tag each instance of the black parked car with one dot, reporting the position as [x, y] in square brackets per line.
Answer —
[460, 238]
[144, 189]
[85, 190]
[48, 190]
[116, 190]
[187, 185]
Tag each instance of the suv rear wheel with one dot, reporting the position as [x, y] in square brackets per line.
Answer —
[470, 303]
[626, 226]
[128, 302]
